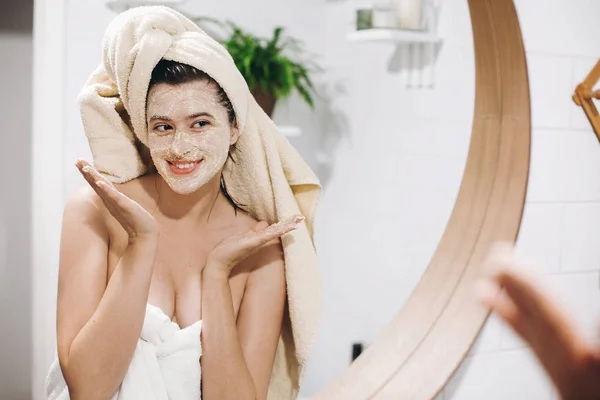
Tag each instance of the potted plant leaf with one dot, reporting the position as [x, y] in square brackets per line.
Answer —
[271, 66]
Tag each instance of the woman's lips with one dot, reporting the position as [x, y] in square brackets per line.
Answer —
[183, 167]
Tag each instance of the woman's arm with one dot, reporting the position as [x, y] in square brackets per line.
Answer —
[238, 358]
[98, 324]
[261, 315]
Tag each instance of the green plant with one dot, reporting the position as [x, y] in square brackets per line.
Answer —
[267, 63]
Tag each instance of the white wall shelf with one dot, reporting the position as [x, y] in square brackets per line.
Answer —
[290, 131]
[393, 36]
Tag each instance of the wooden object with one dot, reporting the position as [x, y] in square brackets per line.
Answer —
[584, 97]
[420, 349]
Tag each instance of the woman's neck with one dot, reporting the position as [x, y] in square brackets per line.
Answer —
[197, 206]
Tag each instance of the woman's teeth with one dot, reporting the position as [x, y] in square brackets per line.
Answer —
[184, 166]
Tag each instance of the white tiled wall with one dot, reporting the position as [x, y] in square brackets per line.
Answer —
[568, 175]
[580, 251]
[394, 180]
[392, 170]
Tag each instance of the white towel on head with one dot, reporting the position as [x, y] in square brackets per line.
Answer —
[268, 176]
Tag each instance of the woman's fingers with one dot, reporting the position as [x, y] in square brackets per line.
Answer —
[512, 273]
[524, 304]
[100, 184]
[516, 296]
[262, 234]
[91, 172]
[111, 193]
[85, 171]
[492, 296]
[136, 221]
[235, 249]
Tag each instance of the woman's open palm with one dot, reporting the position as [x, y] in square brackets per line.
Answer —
[137, 222]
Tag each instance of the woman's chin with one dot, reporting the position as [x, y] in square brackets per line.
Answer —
[184, 186]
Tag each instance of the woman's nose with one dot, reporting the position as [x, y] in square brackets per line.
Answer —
[181, 144]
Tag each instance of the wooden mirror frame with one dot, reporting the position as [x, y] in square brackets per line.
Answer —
[420, 349]
[584, 97]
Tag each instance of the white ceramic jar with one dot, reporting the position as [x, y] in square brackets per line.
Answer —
[384, 16]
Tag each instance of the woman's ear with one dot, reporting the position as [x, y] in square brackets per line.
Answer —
[235, 134]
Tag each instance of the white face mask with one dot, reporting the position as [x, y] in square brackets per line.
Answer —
[189, 133]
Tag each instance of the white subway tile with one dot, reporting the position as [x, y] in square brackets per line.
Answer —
[435, 172]
[489, 337]
[435, 137]
[509, 340]
[581, 231]
[420, 216]
[541, 237]
[513, 375]
[564, 166]
[560, 27]
[455, 23]
[551, 88]
[452, 97]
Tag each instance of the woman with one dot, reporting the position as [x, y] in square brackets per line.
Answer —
[173, 244]
[570, 360]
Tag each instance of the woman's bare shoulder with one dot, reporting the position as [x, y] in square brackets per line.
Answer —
[84, 209]
[84, 201]
[86, 204]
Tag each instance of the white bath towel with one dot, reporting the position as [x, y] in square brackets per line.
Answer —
[268, 177]
[165, 364]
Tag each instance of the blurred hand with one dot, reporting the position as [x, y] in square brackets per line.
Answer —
[570, 360]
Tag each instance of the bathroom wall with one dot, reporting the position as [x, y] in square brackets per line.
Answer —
[391, 156]
[392, 176]
[15, 213]
[418, 135]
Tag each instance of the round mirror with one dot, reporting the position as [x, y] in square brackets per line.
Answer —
[421, 141]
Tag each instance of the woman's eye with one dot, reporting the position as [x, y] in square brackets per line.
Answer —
[200, 124]
[162, 128]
